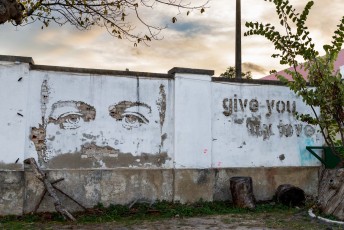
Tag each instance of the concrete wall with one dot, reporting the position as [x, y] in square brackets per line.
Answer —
[119, 136]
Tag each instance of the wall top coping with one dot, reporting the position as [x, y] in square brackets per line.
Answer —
[20, 59]
[101, 71]
[175, 70]
[169, 75]
[248, 81]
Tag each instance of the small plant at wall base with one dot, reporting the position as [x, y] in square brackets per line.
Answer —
[324, 89]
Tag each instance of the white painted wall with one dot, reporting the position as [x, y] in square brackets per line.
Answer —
[13, 102]
[192, 121]
[199, 129]
[234, 145]
[101, 92]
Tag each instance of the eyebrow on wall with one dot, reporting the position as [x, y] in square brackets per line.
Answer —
[118, 109]
[88, 111]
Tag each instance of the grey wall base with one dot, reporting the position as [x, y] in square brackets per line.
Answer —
[20, 191]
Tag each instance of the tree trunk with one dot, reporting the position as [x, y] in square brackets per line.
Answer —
[49, 187]
[242, 192]
[331, 192]
[290, 195]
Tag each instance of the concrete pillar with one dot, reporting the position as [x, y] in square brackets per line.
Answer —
[192, 114]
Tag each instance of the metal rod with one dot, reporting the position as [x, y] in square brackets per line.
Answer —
[238, 40]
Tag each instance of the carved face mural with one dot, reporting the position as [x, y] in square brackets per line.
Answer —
[102, 130]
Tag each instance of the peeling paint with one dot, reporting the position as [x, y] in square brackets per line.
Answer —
[111, 158]
[38, 138]
[238, 120]
[162, 104]
[44, 96]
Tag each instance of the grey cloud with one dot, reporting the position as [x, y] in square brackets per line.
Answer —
[248, 66]
[191, 28]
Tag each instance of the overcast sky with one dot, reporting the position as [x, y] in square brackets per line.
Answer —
[203, 41]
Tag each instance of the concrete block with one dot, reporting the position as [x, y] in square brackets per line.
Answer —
[191, 185]
[11, 192]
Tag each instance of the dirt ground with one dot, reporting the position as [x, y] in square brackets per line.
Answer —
[233, 221]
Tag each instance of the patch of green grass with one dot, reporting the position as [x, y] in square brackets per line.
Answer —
[158, 210]
[265, 215]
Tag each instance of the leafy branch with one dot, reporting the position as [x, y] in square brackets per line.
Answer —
[123, 19]
[324, 88]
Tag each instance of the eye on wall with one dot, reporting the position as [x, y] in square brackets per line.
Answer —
[131, 114]
[70, 120]
[71, 114]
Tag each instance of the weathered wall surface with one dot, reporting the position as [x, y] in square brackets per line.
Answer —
[120, 136]
[97, 121]
[13, 102]
[255, 126]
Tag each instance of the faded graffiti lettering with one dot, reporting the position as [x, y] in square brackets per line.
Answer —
[270, 106]
[254, 105]
[298, 129]
[238, 108]
[255, 128]
[285, 130]
[235, 105]
[309, 130]
[280, 106]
